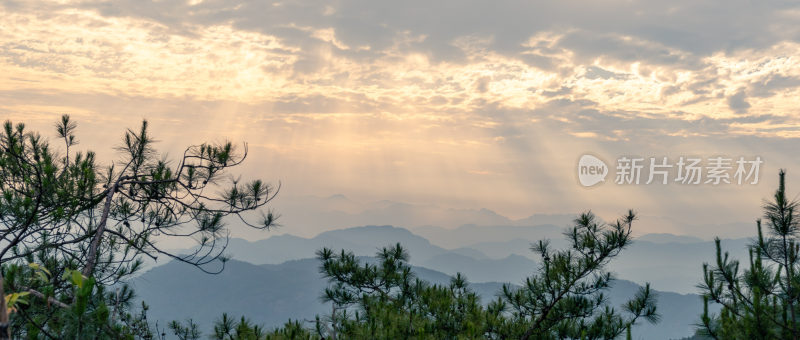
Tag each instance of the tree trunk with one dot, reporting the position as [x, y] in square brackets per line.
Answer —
[5, 329]
[101, 227]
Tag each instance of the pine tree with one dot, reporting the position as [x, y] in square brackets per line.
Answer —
[564, 298]
[760, 302]
[385, 300]
[72, 228]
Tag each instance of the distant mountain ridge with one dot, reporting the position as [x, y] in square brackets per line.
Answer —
[667, 261]
[271, 294]
[468, 234]
[285, 283]
[309, 215]
[268, 294]
[669, 238]
[363, 240]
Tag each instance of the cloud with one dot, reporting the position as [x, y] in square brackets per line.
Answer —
[363, 56]
[738, 102]
[417, 98]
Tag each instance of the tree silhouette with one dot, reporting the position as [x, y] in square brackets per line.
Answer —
[62, 212]
[759, 302]
[564, 299]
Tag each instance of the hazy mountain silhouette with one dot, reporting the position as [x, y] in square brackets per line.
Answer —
[365, 241]
[668, 266]
[268, 294]
[669, 238]
[309, 215]
[669, 262]
[466, 235]
[271, 294]
[360, 240]
[514, 268]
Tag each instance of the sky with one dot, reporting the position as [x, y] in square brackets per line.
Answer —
[455, 104]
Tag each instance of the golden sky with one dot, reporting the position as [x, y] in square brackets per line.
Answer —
[458, 104]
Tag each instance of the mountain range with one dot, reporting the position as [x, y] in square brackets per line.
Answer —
[271, 294]
[668, 262]
[310, 215]
[275, 279]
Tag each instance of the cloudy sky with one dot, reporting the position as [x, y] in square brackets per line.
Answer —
[458, 104]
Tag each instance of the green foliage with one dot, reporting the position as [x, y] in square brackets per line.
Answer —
[73, 230]
[386, 301]
[292, 330]
[188, 332]
[229, 329]
[43, 194]
[760, 302]
[383, 299]
[564, 299]
[70, 305]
